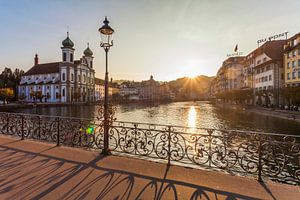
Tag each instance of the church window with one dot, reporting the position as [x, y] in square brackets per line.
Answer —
[71, 57]
[72, 77]
[63, 92]
[63, 76]
[56, 95]
[91, 63]
[64, 56]
[84, 78]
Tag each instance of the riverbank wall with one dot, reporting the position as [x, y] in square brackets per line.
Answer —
[283, 114]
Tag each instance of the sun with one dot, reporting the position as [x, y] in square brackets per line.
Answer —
[192, 77]
[191, 74]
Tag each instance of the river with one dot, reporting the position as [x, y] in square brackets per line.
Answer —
[194, 114]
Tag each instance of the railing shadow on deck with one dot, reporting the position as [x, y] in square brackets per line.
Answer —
[261, 155]
[31, 175]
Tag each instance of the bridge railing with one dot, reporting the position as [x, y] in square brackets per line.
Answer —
[261, 155]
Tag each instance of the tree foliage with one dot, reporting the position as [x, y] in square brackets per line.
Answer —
[291, 94]
[239, 96]
[6, 93]
[11, 79]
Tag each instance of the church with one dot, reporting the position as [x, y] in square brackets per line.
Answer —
[65, 81]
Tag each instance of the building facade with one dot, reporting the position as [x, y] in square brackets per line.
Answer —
[64, 81]
[229, 76]
[268, 72]
[100, 90]
[292, 61]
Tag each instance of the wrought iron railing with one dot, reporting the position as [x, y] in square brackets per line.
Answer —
[265, 156]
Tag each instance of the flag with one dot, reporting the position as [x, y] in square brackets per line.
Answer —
[236, 48]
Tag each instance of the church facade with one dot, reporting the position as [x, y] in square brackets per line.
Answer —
[65, 81]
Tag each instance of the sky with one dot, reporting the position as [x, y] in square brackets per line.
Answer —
[164, 38]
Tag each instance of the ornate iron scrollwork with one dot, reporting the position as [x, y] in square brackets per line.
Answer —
[268, 156]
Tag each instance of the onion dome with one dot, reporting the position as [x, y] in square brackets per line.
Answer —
[68, 42]
[88, 52]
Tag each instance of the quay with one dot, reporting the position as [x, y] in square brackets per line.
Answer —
[38, 170]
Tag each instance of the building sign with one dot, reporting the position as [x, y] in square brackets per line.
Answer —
[273, 37]
[235, 54]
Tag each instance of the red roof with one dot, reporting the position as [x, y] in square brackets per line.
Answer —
[46, 68]
[273, 49]
[99, 81]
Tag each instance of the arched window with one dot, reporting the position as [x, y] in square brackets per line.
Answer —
[63, 76]
[91, 63]
[72, 77]
[63, 92]
[64, 56]
[71, 57]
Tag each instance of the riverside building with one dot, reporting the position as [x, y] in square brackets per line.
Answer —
[292, 61]
[267, 63]
[230, 75]
[63, 81]
[100, 90]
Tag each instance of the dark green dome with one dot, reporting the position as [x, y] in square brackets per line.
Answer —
[68, 42]
[88, 52]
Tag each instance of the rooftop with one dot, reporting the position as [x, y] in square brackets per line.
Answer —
[36, 170]
[273, 49]
[45, 68]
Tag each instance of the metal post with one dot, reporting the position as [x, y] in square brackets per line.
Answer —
[135, 139]
[58, 133]
[259, 161]
[169, 145]
[105, 150]
[22, 128]
[39, 127]
[7, 123]
[209, 147]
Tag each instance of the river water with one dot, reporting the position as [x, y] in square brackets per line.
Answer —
[194, 114]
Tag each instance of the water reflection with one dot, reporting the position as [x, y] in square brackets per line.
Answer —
[192, 114]
[192, 117]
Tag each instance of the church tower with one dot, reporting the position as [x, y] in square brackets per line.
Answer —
[67, 72]
[68, 50]
[88, 55]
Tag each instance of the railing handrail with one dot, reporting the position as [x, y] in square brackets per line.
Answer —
[271, 155]
[160, 125]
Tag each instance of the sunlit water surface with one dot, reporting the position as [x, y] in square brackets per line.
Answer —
[193, 114]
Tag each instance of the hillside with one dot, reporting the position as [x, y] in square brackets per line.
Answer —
[198, 85]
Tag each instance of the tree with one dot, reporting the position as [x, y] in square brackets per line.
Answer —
[76, 96]
[11, 79]
[22, 97]
[6, 93]
[37, 95]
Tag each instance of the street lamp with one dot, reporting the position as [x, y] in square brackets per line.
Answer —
[106, 42]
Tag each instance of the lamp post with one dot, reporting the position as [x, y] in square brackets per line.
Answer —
[106, 42]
